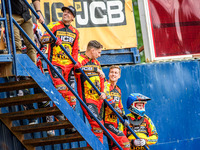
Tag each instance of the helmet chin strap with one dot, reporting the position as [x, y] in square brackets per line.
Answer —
[134, 110]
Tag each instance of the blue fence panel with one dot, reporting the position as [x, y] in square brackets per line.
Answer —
[174, 88]
[120, 56]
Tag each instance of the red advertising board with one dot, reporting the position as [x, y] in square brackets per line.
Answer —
[175, 27]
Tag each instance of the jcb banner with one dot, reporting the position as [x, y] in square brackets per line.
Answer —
[110, 22]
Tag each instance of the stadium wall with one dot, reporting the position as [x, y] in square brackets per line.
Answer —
[174, 89]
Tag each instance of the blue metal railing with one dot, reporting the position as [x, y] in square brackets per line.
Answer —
[60, 76]
[83, 73]
[11, 32]
[6, 25]
[64, 81]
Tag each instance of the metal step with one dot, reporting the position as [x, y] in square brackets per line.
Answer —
[42, 127]
[17, 85]
[27, 99]
[30, 114]
[54, 140]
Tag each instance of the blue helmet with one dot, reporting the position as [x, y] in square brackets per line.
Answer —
[136, 98]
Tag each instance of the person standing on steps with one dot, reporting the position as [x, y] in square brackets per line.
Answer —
[90, 65]
[113, 96]
[68, 37]
[140, 123]
[21, 14]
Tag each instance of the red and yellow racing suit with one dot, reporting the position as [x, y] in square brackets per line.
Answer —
[113, 94]
[88, 94]
[69, 36]
[144, 129]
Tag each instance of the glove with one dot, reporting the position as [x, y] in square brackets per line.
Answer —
[124, 117]
[43, 49]
[58, 41]
[126, 123]
[139, 142]
[118, 110]
[77, 66]
[142, 142]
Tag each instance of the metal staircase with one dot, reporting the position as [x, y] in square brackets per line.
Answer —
[19, 131]
[48, 93]
[23, 66]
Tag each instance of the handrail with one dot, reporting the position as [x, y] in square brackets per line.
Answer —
[83, 73]
[11, 32]
[4, 19]
[64, 81]
[6, 26]
[12, 20]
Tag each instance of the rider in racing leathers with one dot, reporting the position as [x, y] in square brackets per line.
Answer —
[91, 67]
[140, 123]
[68, 36]
[113, 94]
